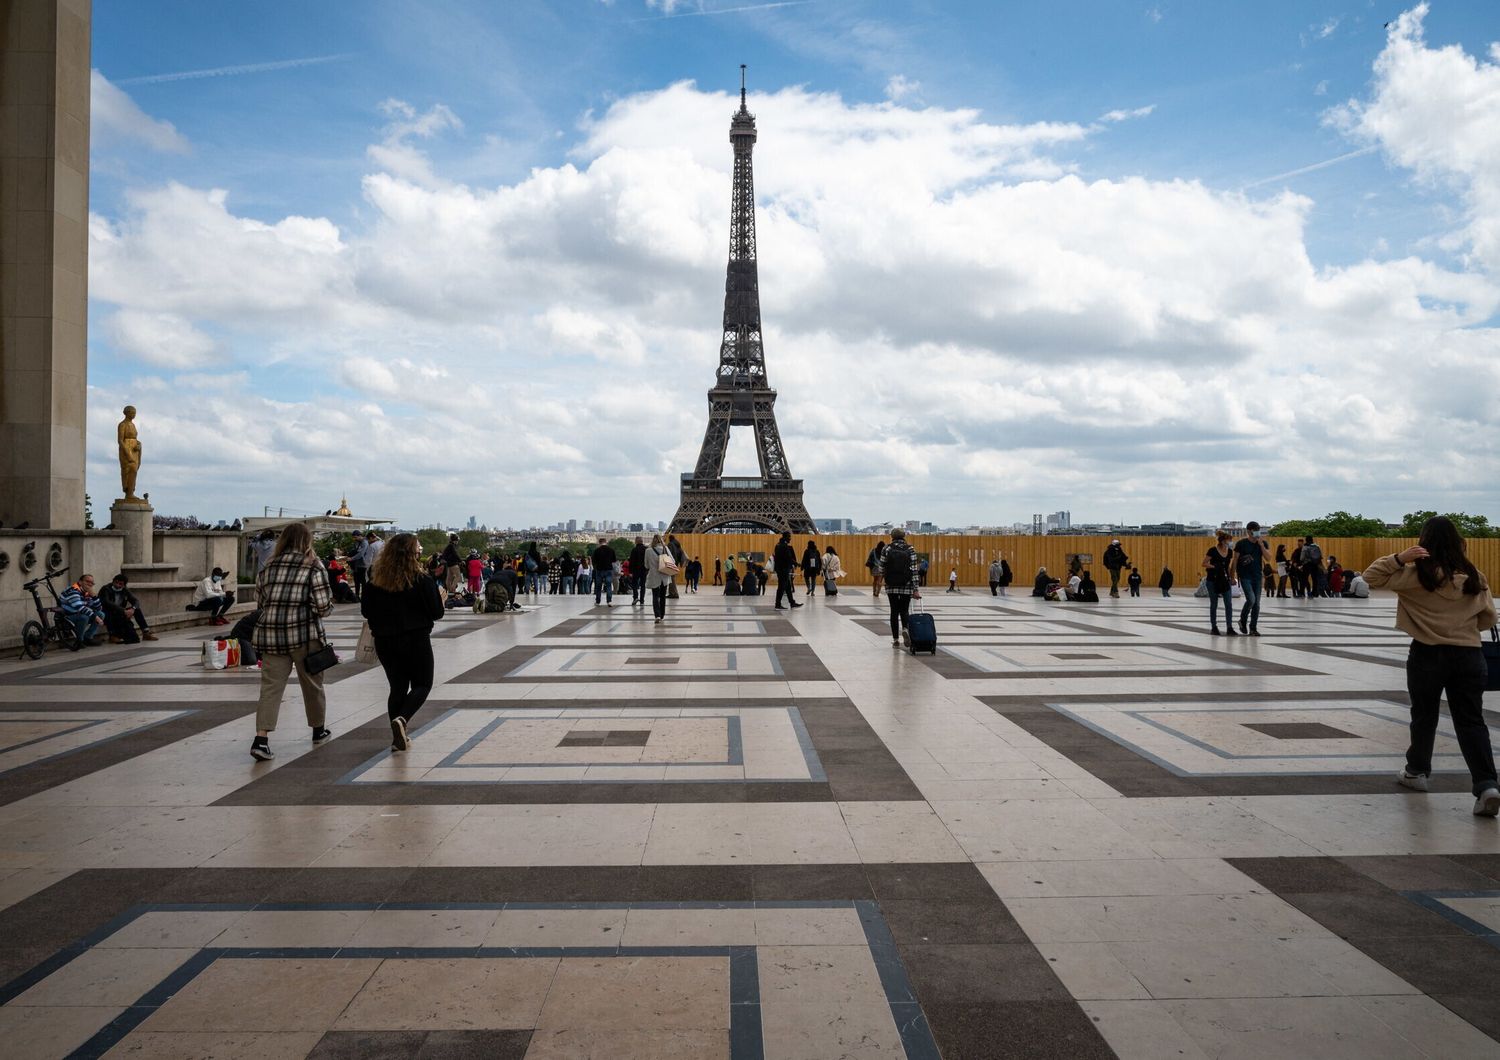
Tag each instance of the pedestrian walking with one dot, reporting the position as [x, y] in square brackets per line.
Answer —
[453, 565]
[1134, 581]
[693, 574]
[604, 578]
[1281, 572]
[784, 560]
[1251, 553]
[953, 580]
[875, 561]
[718, 572]
[294, 595]
[1115, 561]
[997, 571]
[1444, 604]
[1165, 582]
[401, 604]
[898, 568]
[812, 564]
[660, 570]
[1219, 563]
[1312, 564]
[638, 572]
[833, 570]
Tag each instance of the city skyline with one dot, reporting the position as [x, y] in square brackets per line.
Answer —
[475, 268]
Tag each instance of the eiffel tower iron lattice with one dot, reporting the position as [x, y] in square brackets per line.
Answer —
[741, 396]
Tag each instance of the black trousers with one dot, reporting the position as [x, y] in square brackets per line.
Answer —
[659, 600]
[1431, 670]
[786, 581]
[810, 580]
[215, 604]
[119, 626]
[357, 575]
[407, 661]
[900, 610]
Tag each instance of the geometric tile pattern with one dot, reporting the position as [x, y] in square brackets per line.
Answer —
[1078, 830]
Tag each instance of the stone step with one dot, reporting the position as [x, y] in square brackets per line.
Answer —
[149, 573]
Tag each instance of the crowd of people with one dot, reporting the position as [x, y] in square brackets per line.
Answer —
[1443, 603]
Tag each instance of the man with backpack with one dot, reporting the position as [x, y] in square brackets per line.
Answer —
[1250, 554]
[1115, 561]
[638, 573]
[898, 565]
[1312, 564]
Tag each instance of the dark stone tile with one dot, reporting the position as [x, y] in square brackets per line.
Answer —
[947, 882]
[368, 1045]
[344, 885]
[1307, 876]
[809, 883]
[226, 885]
[1372, 916]
[17, 960]
[1421, 873]
[1463, 967]
[1030, 1029]
[475, 1045]
[967, 974]
[1489, 864]
[1479, 1010]
[945, 923]
[694, 883]
[79, 904]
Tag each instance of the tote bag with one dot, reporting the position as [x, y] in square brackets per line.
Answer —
[1491, 649]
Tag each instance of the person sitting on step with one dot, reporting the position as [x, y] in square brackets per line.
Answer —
[210, 595]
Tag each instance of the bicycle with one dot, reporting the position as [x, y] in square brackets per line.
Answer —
[51, 624]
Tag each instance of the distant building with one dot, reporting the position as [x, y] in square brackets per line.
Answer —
[834, 526]
[473, 522]
[913, 525]
[572, 526]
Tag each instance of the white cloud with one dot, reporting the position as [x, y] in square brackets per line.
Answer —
[113, 115]
[1321, 88]
[1436, 111]
[1126, 115]
[163, 339]
[899, 87]
[396, 154]
[1047, 334]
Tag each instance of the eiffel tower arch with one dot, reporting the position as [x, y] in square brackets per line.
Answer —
[741, 396]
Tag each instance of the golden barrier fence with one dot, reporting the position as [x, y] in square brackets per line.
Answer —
[972, 553]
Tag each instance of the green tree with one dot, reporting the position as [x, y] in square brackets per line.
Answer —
[433, 540]
[1468, 525]
[475, 539]
[622, 547]
[88, 512]
[1334, 524]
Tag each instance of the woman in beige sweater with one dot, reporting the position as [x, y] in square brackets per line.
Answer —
[1445, 604]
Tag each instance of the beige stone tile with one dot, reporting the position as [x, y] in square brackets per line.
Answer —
[105, 977]
[1267, 967]
[639, 994]
[558, 927]
[1142, 876]
[1090, 971]
[564, 1043]
[168, 929]
[690, 927]
[263, 995]
[268, 928]
[808, 927]
[215, 1046]
[1431, 1028]
[1155, 918]
[1142, 1030]
[1330, 1028]
[49, 1032]
[458, 994]
[822, 1001]
[886, 832]
[425, 927]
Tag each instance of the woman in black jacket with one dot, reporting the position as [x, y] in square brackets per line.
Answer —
[812, 563]
[401, 603]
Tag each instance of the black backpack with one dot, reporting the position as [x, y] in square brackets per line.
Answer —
[897, 567]
[1311, 554]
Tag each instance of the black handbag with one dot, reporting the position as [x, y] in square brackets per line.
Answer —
[1491, 649]
[325, 658]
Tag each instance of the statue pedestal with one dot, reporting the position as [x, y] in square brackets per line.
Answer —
[134, 517]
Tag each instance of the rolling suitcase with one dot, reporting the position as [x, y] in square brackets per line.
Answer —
[923, 631]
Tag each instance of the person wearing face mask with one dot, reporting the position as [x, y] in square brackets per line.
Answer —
[209, 595]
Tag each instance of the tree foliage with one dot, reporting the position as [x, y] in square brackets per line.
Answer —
[1468, 525]
[1342, 524]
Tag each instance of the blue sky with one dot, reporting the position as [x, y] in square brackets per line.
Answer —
[1111, 179]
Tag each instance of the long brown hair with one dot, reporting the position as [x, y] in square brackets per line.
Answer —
[295, 538]
[399, 564]
[1445, 557]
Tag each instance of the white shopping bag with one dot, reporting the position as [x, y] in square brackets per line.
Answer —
[364, 651]
[220, 654]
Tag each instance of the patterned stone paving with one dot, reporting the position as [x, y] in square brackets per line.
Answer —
[1077, 831]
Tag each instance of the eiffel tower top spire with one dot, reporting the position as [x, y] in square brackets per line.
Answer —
[742, 363]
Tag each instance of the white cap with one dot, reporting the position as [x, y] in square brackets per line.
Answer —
[1116, 541]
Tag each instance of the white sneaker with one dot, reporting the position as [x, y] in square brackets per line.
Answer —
[1488, 803]
[1415, 781]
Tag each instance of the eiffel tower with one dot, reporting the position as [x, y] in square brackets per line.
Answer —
[741, 396]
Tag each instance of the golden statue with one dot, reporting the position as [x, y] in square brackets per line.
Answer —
[130, 454]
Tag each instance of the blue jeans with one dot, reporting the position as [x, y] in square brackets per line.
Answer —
[534, 581]
[1213, 608]
[567, 586]
[1250, 611]
[604, 585]
[638, 587]
[585, 582]
[84, 624]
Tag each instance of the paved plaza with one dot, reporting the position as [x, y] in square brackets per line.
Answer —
[1077, 831]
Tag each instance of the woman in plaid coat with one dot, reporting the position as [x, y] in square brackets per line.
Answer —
[294, 594]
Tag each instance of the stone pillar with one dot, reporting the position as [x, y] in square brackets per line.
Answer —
[135, 518]
[44, 202]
